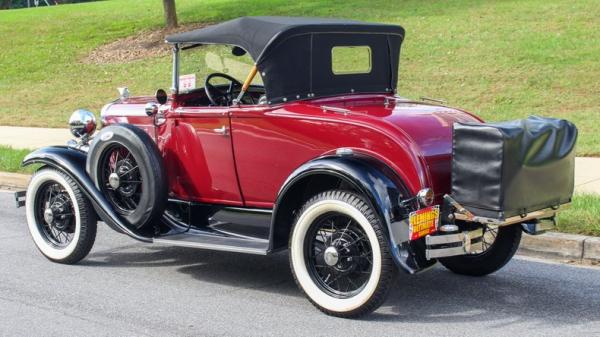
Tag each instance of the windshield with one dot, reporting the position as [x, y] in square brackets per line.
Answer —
[197, 63]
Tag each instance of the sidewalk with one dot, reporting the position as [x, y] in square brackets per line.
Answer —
[587, 175]
[32, 138]
[587, 170]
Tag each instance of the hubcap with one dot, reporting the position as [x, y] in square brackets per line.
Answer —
[114, 181]
[331, 256]
[48, 216]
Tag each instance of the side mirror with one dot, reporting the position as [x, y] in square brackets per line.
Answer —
[151, 109]
[161, 96]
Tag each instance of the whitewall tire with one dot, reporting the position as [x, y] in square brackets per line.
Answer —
[339, 254]
[61, 221]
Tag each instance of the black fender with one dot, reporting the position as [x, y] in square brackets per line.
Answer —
[72, 162]
[381, 186]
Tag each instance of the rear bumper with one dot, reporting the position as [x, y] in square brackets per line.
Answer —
[444, 245]
[467, 241]
[20, 198]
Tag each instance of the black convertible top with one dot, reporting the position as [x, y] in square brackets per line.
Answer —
[294, 54]
[256, 34]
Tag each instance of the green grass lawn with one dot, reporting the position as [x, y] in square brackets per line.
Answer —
[10, 160]
[583, 217]
[501, 59]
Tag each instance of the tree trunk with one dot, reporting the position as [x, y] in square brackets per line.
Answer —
[5, 4]
[170, 13]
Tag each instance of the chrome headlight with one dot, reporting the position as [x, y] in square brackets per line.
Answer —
[82, 123]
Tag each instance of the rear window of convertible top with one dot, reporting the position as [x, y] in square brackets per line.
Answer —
[351, 60]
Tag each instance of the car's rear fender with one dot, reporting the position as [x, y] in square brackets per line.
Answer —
[371, 178]
[72, 162]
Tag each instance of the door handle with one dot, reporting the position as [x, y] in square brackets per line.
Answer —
[223, 131]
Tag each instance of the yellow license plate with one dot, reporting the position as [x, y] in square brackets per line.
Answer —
[423, 221]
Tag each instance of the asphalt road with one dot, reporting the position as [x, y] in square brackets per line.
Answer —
[126, 288]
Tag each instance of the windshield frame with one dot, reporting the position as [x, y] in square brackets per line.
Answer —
[177, 48]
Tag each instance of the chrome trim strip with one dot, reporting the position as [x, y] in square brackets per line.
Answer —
[444, 252]
[336, 109]
[175, 84]
[452, 238]
[251, 210]
[129, 113]
[211, 246]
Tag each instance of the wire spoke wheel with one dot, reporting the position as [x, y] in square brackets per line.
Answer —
[61, 221]
[339, 254]
[121, 179]
[339, 257]
[490, 233]
[54, 214]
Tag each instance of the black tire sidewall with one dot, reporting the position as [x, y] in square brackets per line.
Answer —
[146, 155]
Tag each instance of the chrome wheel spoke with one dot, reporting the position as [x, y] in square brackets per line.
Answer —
[123, 184]
[55, 226]
[339, 255]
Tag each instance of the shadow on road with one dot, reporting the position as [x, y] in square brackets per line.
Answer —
[522, 291]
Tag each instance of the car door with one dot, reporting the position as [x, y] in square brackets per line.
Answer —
[204, 158]
[269, 145]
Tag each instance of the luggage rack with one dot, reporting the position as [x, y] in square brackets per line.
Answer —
[465, 215]
[468, 242]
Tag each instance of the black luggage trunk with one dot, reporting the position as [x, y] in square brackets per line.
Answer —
[500, 170]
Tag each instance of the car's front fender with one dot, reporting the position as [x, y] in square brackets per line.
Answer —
[72, 162]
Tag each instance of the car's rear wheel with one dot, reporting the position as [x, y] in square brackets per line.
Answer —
[61, 220]
[127, 168]
[339, 254]
[498, 247]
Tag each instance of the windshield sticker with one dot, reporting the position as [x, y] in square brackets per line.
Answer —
[187, 82]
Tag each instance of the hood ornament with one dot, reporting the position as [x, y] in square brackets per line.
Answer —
[123, 92]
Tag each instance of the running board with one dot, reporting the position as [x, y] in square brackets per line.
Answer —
[215, 242]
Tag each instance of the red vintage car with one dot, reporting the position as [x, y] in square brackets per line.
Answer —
[287, 133]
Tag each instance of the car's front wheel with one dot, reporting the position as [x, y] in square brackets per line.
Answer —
[339, 254]
[61, 220]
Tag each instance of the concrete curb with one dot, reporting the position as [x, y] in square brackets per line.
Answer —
[561, 246]
[551, 245]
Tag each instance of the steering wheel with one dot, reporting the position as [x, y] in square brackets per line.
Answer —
[215, 95]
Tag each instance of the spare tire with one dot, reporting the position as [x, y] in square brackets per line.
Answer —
[126, 166]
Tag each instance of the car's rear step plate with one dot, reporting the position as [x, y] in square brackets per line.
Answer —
[215, 242]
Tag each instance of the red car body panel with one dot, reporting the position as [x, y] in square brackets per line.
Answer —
[265, 144]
